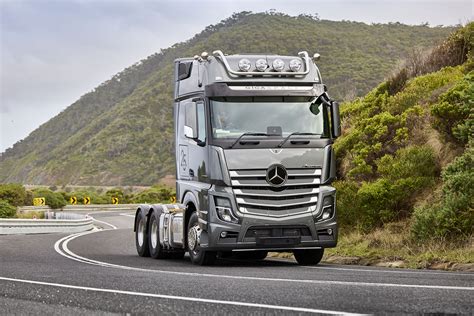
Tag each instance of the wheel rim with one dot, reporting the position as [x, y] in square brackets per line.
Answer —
[154, 234]
[193, 239]
[141, 232]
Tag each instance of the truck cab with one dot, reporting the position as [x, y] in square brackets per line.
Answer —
[254, 159]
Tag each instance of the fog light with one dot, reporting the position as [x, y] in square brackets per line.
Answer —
[278, 64]
[329, 231]
[223, 234]
[244, 64]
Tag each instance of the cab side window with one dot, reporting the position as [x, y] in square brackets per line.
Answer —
[201, 122]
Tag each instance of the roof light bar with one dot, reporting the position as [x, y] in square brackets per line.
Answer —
[303, 55]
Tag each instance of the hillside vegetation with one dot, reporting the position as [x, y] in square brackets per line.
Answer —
[122, 132]
[406, 161]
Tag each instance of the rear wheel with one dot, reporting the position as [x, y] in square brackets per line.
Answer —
[141, 237]
[197, 255]
[155, 249]
[308, 256]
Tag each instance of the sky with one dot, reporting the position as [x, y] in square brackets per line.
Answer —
[53, 52]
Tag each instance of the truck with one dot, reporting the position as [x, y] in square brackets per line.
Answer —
[254, 138]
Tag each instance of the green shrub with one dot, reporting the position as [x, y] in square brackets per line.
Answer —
[54, 199]
[347, 202]
[390, 197]
[6, 209]
[13, 193]
[95, 198]
[452, 217]
[382, 124]
[156, 194]
[413, 161]
[454, 113]
[117, 193]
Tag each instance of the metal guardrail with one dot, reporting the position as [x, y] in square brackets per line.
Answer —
[58, 221]
[41, 226]
[90, 207]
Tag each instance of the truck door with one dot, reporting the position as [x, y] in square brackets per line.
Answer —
[192, 150]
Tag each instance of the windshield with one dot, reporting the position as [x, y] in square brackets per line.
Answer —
[276, 116]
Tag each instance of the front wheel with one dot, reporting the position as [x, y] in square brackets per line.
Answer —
[198, 256]
[308, 256]
[141, 236]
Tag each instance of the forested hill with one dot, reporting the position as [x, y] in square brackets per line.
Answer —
[121, 133]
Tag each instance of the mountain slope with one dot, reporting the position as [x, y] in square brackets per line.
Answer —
[122, 133]
[406, 153]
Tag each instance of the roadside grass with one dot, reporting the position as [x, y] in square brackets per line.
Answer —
[391, 246]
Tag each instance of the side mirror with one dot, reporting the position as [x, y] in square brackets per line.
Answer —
[336, 120]
[189, 132]
[190, 120]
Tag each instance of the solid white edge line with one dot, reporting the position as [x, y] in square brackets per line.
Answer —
[110, 265]
[182, 298]
[105, 223]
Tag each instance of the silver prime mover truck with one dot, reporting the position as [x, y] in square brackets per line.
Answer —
[254, 162]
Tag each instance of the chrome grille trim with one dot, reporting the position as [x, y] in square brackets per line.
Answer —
[312, 200]
[262, 173]
[299, 195]
[260, 183]
[266, 193]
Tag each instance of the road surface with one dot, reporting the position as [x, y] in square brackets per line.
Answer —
[100, 273]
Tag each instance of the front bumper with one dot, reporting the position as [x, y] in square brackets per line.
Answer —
[302, 231]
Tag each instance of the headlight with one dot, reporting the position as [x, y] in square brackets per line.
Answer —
[244, 64]
[328, 208]
[278, 64]
[224, 210]
[295, 65]
[261, 64]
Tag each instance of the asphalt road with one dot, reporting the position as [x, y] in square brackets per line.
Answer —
[100, 273]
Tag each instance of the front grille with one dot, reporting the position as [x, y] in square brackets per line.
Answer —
[255, 196]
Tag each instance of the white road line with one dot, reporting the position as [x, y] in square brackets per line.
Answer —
[388, 271]
[105, 223]
[194, 274]
[129, 215]
[182, 298]
[58, 248]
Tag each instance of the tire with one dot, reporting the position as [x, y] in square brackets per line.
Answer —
[198, 256]
[309, 256]
[252, 255]
[141, 236]
[155, 249]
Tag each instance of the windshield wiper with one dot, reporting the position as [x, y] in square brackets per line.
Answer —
[248, 134]
[294, 134]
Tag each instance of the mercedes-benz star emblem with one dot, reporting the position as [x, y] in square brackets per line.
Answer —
[276, 175]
